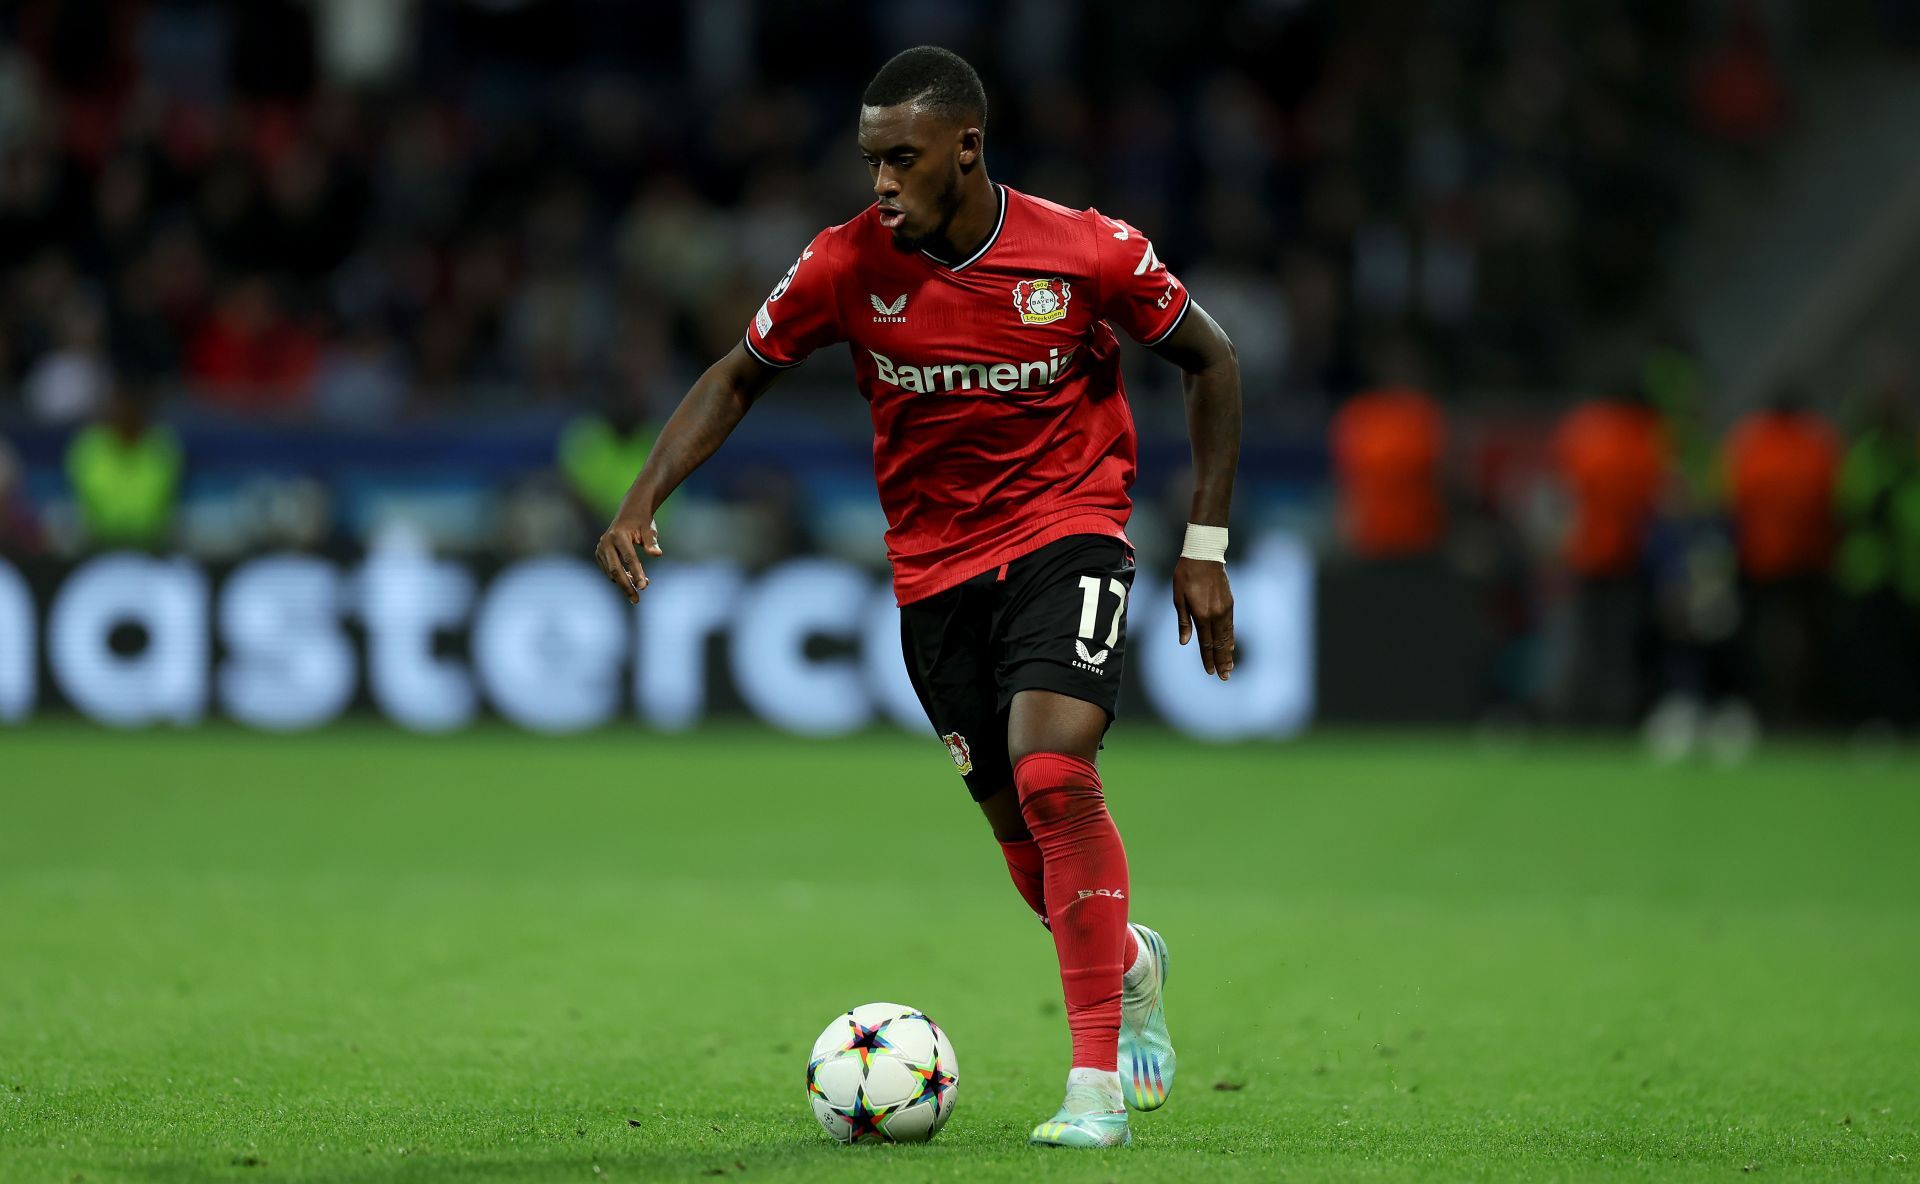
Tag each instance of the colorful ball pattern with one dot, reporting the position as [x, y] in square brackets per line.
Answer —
[882, 1073]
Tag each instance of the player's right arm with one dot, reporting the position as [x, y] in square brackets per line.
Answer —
[711, 410]
[800, 315]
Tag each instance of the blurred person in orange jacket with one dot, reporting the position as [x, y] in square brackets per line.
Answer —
[1780, 465]
[1610, 456]
[1387, 444]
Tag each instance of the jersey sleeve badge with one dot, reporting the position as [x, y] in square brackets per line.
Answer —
[786, 281]
[801, 314]
[1043, 301]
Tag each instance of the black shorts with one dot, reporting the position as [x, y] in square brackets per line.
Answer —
[1052, 620]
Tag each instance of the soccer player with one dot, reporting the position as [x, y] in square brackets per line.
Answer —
[981, 322]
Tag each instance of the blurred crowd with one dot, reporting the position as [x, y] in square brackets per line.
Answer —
[356, 210]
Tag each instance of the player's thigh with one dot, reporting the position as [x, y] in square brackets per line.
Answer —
[1060, 628]
[1047, 721]
[947, 642]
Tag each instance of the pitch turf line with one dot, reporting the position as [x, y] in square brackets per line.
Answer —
[364, 956]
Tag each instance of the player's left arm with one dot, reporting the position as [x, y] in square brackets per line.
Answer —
[1201, 596]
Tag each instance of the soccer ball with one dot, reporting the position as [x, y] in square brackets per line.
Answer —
[882, 1073]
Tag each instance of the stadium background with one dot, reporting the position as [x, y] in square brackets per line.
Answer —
[374, 279]
[1580, 365]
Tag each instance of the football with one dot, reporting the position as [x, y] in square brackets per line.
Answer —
[882, 1073]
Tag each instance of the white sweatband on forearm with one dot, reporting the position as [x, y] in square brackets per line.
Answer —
[1205, 543]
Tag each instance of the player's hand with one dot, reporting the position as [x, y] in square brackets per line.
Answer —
[1204, 604]
[618, 552]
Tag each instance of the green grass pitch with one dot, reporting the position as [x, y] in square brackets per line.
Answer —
[364, 956]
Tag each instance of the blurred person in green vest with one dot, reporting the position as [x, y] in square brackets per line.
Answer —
[1877, 500]
[601, 451]
[125, 473]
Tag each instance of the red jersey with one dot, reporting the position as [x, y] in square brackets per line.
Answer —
[1000, 423]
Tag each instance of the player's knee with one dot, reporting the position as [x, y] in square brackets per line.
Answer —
[1055, 788]
[1045, 723]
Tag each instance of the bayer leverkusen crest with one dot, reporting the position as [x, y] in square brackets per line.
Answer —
[962, 755]
[1041, 302]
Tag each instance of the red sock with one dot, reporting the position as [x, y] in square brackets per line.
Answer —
[1029, 873]
[1086, 874]
[1024, 864]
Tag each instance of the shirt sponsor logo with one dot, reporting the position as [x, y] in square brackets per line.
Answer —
[1041, 302]
[967, 376]
[892, 312]
[763, 321]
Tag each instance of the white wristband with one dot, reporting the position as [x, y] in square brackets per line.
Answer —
[1205, 543]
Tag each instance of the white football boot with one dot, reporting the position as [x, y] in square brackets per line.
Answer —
[1146, 1051]
[1093, 1115]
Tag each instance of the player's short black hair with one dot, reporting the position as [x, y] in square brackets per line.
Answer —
[938, 78]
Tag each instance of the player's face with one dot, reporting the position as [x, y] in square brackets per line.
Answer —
[915, 159]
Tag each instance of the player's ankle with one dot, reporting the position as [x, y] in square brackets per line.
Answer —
[1105, 1083]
